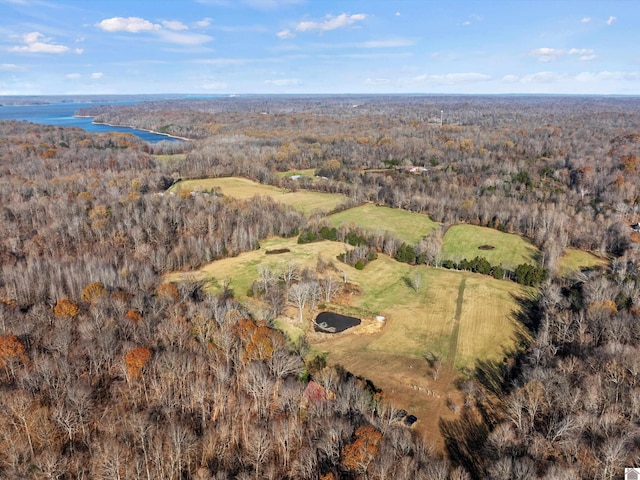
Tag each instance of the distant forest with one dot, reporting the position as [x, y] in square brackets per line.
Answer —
[108, 372]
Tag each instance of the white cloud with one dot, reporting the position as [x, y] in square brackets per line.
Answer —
[36, 43]
[79, 51]
[451, 78]
[97, 75]
[546, 54]
[580, 51]
[397, 14]
[466, 23]
[510, 78]
[205, 22]
[286, 33]
[585, 20]
[169, 31]
[284, 82]
[377, 81]
[610, 20]
[129, 24]
[174, 25]
[72, 76]
[330, 23]
[551, 54]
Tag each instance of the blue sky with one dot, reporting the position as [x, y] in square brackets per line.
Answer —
[319, 46]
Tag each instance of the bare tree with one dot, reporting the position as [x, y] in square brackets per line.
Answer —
[299, 295]
[330, 287]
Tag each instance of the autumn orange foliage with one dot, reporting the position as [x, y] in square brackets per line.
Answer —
[357, 455]
[259, 340]
[133, 315]
[135, 361]
[168, 291]
[93, 292]
[66, 308]
[11, 347]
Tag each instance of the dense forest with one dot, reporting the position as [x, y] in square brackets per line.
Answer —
[109, 372]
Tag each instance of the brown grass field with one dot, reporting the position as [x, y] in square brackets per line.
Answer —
[461, 317]
[306, 201]
[575, 260]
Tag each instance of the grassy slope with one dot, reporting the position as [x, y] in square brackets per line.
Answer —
[462, 241]
[417, 321]
[390, 354]
[242, 188]
[408, 226]
[575, 260]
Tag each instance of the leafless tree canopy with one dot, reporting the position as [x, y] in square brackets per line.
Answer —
[107, 372]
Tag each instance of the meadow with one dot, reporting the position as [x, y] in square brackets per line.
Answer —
[409, 227]
[306, 201]
[575, 260]
[459, 317]
[470, 241]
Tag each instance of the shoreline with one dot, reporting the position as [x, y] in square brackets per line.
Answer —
[134, 128]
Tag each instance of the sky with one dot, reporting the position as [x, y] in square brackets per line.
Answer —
[56, 47]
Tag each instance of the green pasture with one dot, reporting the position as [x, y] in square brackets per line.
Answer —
[464, 241]
[409, 227]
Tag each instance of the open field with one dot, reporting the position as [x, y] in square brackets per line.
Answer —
[242, 188]
[418, 322]
[240, 272]
[407, 226]
[306, 172]
[463, 241]
[459, 316]
[574, 260]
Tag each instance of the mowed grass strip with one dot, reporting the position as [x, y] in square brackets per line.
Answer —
[575, 260]
[464, 241]
[487, 325]
[306, 201]
[409, 227]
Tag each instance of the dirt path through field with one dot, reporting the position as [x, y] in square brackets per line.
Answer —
[453, 342]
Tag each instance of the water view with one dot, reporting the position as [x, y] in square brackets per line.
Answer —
[62, 114]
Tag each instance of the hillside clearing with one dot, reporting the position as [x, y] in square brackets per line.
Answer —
[306, 201]
[575, 260]
[409, 227]
[465, 241]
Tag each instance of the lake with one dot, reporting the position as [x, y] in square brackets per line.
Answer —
[61, 114]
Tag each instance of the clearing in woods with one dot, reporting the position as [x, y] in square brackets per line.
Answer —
[575, 260]
[306, 201]
[409, 227]
[465, 241]
[460, 317]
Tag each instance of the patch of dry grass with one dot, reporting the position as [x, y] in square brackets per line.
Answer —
[306, 201]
